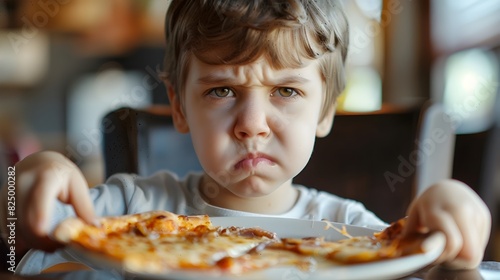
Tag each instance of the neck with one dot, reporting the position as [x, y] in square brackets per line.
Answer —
[277, 202]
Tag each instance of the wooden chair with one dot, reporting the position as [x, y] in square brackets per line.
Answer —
[145, 141]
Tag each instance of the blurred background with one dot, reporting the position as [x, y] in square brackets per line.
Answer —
[65, 63]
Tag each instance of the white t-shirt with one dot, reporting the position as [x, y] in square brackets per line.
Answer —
[126, 194]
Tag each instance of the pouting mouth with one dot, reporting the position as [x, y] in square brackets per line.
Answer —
[251, 160]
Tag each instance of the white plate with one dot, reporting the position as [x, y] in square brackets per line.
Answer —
[385, 269]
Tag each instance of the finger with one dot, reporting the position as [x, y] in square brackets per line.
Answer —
[42, 199]
[80, 199]
[75, 189]
[444, 222]
[474, 236]
[413, 223]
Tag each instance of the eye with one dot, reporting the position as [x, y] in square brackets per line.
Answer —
[286, 92]
[222, 92]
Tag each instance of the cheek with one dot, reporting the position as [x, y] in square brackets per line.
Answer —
[304, 144]
[297, 144]
[208, 136]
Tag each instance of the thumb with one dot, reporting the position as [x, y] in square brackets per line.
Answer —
[413, 223]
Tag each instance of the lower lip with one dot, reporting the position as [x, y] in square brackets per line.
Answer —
[252, 163]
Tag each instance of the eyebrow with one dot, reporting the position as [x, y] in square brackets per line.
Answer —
[224, 79]
[215, 79]
[291, 80]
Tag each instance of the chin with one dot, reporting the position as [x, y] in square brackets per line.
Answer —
[251, 194]
[252, 187]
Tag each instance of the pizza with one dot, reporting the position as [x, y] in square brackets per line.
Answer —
[159, 242]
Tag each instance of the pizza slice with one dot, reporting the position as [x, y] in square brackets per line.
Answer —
[312, 253]
[161, 241]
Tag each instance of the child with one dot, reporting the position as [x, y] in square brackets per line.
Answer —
[254, 82]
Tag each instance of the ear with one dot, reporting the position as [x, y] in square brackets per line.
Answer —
[325, 124]
[178, 117]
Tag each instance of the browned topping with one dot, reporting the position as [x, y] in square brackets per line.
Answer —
[225, 263]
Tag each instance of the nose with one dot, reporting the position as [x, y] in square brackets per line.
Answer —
[252, 120]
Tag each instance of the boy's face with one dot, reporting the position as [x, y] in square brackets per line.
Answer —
[253, 127]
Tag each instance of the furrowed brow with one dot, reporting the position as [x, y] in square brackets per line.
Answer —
[291, 80]
[215, 79]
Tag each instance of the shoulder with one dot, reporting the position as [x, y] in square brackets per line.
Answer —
[129, 180]
[159, 180]
[130, 193]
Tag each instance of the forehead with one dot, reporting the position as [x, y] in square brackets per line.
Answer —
[259, 71]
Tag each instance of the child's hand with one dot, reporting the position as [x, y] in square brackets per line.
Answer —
[41, 178]
[456, 210]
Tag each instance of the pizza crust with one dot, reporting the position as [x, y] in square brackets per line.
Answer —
[68, 230]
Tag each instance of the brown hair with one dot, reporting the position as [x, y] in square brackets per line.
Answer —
[240, 31]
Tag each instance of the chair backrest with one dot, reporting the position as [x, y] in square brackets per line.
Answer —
[145, 141]
[367, 156]
[435, 147]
